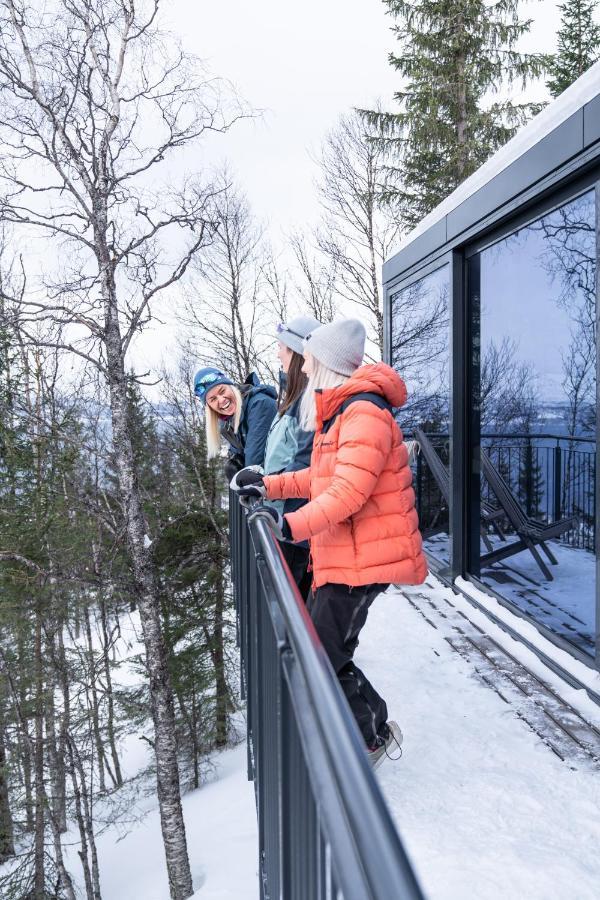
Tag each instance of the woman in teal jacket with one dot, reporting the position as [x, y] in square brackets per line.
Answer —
[288, 447]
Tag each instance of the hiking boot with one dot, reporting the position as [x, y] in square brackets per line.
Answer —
[388, 744]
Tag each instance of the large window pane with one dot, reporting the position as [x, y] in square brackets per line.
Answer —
[538, 419]
[420, 353]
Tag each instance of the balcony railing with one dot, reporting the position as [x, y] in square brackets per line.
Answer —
[325, 832]
[553, 476]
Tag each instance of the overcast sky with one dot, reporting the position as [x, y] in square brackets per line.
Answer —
[303, 64]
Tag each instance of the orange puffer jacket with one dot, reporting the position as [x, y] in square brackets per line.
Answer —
[361, 518]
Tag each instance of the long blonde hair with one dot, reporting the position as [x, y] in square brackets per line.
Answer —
[212, 423]
[321, 378]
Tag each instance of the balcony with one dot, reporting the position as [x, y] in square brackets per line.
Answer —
[552, 478]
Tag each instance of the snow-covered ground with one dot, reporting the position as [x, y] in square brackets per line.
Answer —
[220, 821]
[486, 810]
[220, 818]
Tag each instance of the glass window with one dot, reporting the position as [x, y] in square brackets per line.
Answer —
[420, 342]
[538, 419]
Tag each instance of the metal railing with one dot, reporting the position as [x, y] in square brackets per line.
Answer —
[552, 475]
[325, 832]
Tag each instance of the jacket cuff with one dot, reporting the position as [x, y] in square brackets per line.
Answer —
[297, 525]
[272, 485]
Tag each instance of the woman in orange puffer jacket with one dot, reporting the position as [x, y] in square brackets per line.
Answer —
[361, 518]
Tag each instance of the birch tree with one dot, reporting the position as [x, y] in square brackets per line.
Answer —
[357, 235]
[94, 101]
[229, 307]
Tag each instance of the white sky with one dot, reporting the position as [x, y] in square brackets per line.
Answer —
[304, 65]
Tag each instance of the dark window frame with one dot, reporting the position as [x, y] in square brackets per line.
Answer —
[550, 193]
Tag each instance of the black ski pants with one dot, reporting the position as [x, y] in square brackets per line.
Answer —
[339, 613]
[297, 557]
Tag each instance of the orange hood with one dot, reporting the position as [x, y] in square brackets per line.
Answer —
[378, 378]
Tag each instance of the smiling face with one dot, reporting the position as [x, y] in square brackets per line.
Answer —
[284, 355]
[222, 400]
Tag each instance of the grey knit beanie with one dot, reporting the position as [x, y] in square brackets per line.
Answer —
[340, 346]
[292, 333]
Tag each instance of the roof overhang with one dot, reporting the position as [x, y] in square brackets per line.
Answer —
[562, 132]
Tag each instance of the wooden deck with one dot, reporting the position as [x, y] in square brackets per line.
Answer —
[563, 729]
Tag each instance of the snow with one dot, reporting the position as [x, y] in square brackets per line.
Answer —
[485, 809]
[220, 816]
[577, 95]
[220, 821]
[574, 667]
[572, 588]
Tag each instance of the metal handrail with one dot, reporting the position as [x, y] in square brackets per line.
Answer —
[530, 435]
[366, 851]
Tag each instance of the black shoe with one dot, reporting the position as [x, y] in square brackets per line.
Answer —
[388, 741]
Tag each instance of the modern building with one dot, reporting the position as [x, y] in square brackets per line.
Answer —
[491, 318]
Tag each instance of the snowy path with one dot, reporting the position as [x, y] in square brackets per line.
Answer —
[486, 809]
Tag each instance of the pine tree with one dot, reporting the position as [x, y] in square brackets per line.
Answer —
[578, 44]
[452, 53]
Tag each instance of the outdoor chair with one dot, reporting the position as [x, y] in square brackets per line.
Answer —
[490, 515]
[530, 531]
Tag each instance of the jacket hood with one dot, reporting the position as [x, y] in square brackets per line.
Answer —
[377, 378]
[253, 386]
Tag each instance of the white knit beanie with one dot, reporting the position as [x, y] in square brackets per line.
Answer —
[292, 333]
[339, 346]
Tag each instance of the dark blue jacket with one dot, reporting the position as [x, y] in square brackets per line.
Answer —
[258, 410]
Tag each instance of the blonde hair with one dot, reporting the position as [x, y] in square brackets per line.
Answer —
[212, 423]
[321, 378]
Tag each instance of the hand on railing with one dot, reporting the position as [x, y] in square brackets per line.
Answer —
[276, 522]
[248, 484]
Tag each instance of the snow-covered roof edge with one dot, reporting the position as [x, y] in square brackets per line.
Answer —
[577, 95]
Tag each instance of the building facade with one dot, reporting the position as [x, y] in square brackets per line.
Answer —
[491, 318]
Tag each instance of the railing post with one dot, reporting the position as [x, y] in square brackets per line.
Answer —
[419, 484]
[529, 477]
[557, 481]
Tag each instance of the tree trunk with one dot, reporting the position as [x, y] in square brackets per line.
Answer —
[218, 657]
[161, 694]
[65, 723]
[110, 724]
[56, 770]
[39, 881]
[94, 710]
[83, 853]
[461, 122]
[7, 846]
[88, 821]
[24, 738]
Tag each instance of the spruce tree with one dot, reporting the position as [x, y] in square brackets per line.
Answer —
[578, 44]
[452, 53]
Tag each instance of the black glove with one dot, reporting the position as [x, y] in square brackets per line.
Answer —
[274, 520]
[249, 482]
[233, 464]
